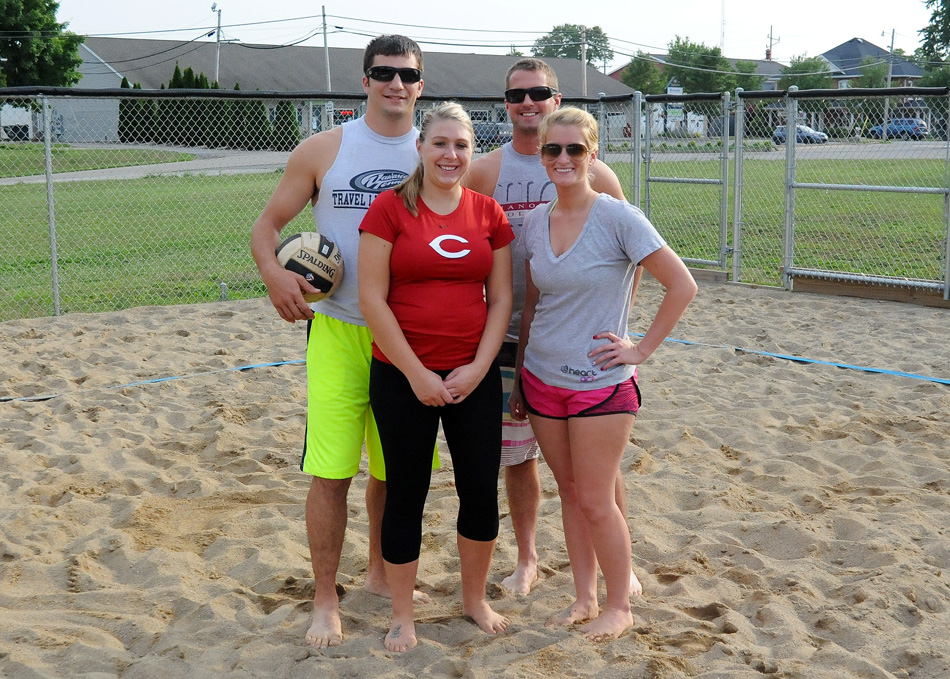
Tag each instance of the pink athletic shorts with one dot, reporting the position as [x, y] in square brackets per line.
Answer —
[560, 404]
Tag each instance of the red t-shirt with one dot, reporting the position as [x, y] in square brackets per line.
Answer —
[438, 268]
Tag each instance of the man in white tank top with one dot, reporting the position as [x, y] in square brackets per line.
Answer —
[340, 171]
[514, 176]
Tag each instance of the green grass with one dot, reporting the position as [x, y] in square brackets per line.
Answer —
[885, 234]
[25, 159]
[152, 241]
[175, 240]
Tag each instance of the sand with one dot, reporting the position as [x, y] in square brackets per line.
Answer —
[790, 519]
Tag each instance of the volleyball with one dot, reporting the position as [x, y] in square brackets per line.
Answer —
[316, 258]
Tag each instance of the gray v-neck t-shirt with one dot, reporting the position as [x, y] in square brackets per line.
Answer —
[584, 291]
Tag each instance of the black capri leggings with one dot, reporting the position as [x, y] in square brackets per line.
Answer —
[408, 430]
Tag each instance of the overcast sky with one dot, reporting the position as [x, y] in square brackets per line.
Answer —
[491, 27]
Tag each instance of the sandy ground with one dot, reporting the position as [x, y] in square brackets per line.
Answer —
[790, 519]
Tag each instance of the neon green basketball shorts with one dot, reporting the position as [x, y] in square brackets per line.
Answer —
[339, 417]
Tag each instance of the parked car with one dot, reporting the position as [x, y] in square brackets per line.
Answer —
[803, 135]
[901, 128]
[487, 136]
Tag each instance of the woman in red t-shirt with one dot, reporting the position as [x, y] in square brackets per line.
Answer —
[435, 289]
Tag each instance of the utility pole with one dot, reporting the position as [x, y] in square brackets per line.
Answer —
[583, 61]
[722, 30]
[890, 61]
[217, 49]
[326, 49]
[887, 100]
[772, 42]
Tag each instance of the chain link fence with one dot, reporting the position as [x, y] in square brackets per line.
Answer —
[686, 173]
[862, 201]
[117, 198]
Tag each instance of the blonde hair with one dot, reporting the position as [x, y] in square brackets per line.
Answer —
[411, 186]
[572, 117]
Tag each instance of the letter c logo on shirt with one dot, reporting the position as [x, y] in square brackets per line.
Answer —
[436, 245]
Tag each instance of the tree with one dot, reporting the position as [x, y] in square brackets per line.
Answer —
[873, 73]
[938, 77]
[936, 35]
[565, 41]
[286, 130]
[643, 74]
[746, 77]
[514, 52]
[698, 68]
[807, 73]
[34, 48]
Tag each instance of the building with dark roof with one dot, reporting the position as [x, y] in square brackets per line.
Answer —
[315, 72]
[304, 69]
[848, 59]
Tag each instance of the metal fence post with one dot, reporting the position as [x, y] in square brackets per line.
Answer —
[50, 204]
[647, 146]
[604, 142]
[736, 249]
[791, 137]
[636, 129]
[724, 198]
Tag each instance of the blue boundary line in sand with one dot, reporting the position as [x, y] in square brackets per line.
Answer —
[785, 357]
[171, 378]
[812, 361]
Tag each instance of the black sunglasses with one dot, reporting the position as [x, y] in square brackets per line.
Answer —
[385, 74]
[516, 94]
[573, 150]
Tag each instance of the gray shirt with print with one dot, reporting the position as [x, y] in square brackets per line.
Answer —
[584, 291]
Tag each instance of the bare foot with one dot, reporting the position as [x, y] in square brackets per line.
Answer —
[325, 630]
[486, 618]
[521, 580]
[576, 612]
[401, 637]
[608, 625]
[380, 588]
[636, 589]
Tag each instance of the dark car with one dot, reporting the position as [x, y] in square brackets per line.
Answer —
[804, 135]
[901, 128]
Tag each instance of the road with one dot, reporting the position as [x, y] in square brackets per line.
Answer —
[230, 161]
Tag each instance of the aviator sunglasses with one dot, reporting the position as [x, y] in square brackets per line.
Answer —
[575, 151]
[516, 94]
[385, 74]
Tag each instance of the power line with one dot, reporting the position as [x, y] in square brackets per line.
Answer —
[160, 52]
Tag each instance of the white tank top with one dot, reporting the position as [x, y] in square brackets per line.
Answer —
[366, 165]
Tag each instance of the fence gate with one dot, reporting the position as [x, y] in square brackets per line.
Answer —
[686, 168]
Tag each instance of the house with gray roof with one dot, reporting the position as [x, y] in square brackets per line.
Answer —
[332, 75]
[848, 59]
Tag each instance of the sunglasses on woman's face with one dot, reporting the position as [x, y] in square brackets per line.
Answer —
[385, 74]
[552, 151]
[516, 94]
